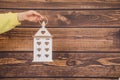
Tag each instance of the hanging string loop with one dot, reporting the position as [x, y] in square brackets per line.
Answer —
[44, 22]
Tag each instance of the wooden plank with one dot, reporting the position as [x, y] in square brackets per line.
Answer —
[60, 4]
[76, 18]
[19, 64]
[57, 79]
[62, 59]
[60, 1]
[64, 39]
[53, 71]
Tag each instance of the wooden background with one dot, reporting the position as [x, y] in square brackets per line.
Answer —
[86, 41]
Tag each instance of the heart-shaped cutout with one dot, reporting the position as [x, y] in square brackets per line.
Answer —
[46, 43]
[39, 55]
[38, 43]
[47, 49]
[39, 49]
[43, 32]
[46, 55]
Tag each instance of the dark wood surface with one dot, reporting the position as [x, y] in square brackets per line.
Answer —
[19, 64]
[64, 39]
[81, 59]
[60, 4]
[86, 41]
[57, 79]
[76, 18]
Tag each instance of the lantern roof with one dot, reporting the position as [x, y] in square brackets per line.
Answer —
[43, 32]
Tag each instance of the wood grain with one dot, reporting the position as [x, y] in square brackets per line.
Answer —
[19, 64]
[76, 18]
[64, 39]
[86, 41]
[62, 59]
[60, 1]
[60, 4]
[57, 79]
[54, 71]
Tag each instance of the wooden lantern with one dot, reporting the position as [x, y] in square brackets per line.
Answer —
[42, 45]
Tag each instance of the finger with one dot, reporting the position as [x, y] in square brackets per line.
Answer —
[36, 14]
[34, 19]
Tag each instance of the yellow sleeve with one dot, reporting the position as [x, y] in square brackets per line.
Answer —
[8, 21]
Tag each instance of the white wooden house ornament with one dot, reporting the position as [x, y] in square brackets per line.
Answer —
[42, 45]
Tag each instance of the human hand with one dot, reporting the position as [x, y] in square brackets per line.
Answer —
[31, 16]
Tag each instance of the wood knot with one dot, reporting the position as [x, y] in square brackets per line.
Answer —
[116, 39]
[71, 62]
[63, 20]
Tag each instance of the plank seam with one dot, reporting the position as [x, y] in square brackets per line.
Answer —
[64, 52]
[62, 8]
[72, 27]
[62, 77]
